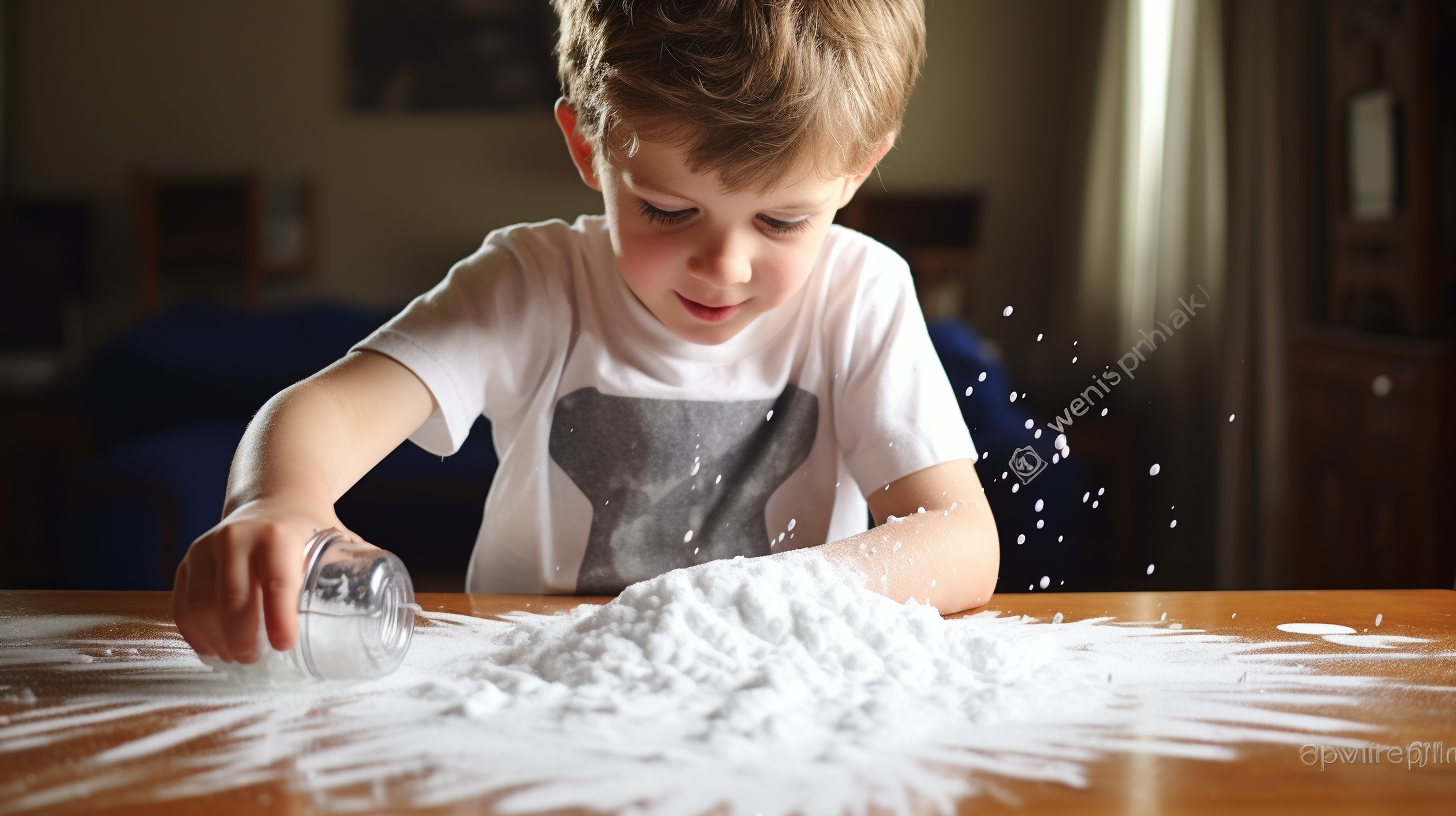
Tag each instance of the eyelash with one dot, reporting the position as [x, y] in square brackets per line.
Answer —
[669, 218]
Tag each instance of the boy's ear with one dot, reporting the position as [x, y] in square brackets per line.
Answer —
[859, 178]
[580, 149]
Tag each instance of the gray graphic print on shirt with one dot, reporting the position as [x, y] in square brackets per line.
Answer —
[655, 469]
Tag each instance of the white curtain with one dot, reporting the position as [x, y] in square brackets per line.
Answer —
[1153, 224]
[1153, 235]
[1269, 145]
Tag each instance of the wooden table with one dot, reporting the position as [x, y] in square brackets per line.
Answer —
[1263, 779]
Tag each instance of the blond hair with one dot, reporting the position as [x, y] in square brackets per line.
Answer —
[751, 89]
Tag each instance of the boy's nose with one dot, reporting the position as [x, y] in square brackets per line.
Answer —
[722, 260]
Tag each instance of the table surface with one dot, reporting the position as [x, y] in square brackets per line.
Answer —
[1264, 778]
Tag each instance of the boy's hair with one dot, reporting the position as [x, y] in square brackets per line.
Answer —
[750, 88]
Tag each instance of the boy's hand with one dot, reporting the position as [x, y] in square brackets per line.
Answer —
[250, 563]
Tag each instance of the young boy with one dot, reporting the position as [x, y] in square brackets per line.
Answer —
[710, 369]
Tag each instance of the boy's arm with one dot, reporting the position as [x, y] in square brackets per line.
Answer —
[948, 555]
[307, 446]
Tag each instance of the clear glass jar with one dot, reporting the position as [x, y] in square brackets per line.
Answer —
[356, 611]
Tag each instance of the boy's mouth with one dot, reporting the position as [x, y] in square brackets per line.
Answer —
[712, 314]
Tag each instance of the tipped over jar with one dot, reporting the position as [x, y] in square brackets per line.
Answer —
[356, 610]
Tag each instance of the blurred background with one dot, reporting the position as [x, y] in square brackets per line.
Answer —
[1190, 265]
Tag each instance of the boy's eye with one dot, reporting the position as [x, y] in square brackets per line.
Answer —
[657, 215]
[784, 227]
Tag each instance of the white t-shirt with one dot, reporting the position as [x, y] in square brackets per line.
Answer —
[626, 452]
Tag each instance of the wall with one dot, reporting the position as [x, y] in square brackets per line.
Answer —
[104, 87]
[1004, 106]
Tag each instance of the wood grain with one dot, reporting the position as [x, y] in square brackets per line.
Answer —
[1264, 779]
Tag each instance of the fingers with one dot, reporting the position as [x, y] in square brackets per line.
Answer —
[278, 572]
[242, 573]
[182, 612]
[237, 598]
[194, 602]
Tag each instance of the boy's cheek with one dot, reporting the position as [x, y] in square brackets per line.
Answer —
[643, 259]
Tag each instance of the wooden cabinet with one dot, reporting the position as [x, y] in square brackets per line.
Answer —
[938, 234]
[1391, 121]
[1373, 373]
[208, 235]
[1373, 448]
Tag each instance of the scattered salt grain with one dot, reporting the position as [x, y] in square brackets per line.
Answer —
[1038, 338]
[1029, 423]
[770, 415]
[1153, 471]
[1006, 312]
[1039, 505]
[969, 389]
[1021, 539]
[1173, 523]
[1045, 582]
[769, 685]
[1013, 396]
[1150, 569]
[981, 378]
[1378, 619]
[688, 537]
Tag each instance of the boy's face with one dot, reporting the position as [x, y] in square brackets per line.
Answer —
[706, 262]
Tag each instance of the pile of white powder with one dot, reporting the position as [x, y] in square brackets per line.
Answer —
[773, 685]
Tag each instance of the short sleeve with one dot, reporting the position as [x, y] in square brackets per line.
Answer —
[484, 337]
[895, 411]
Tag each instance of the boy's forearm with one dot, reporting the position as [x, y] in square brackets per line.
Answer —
[290, 449]
[943, 548]
[948, 557]
[315, 439]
